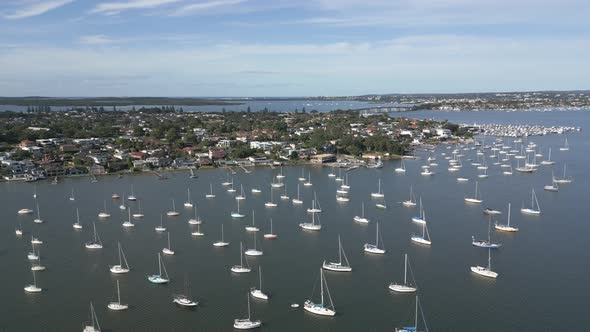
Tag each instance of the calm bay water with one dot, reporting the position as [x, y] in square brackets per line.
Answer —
[543, 268]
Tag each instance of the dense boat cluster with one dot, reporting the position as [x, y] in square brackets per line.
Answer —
[520, 130]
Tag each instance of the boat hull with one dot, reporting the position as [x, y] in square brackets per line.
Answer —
[318, 309]
[402, 288]
[484, 272]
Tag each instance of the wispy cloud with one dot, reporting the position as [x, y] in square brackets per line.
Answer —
[201, 6]
[116, 7]
[95, 40]
[37, 8]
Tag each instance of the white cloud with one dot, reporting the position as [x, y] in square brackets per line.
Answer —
[196, 7]
[95, 40]
[109, 8]
[37, 8]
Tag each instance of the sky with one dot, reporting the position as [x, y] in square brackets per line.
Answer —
[291, 47]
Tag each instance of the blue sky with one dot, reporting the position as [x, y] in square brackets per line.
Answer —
[291, 48]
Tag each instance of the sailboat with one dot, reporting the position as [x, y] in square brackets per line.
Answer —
[302, 177]
[420, 219]
[284, 196]
[426, 171]
[297, 200]
[361, 218]
[308, 183]
[255, 190]
[564, 179]
[271, 235]
[104, 213]
[159, 278]
[132, 196]
[252, 228]
[415, 327]
[118, 306]
[280, 175]
[402, 168]
[257, 292]
[33, 287]
[95, 243]
[37, 266]
[139, 213]
[315, 205]
[485, 271]
[323, 309]
[122, 206]
[278, 184]
[221, 243]
[25, 211]
[123, 266]
[188, 203]
[254, 251]
[378, 194]
[311, 225]
[77, 224]
[94, 327]
[115, 196]
[553, 186]
[246, 323]
[72, 197]
[405, 287]
[345, 185]
[241, 268]
[339, 178]
[38, 219]
[193, 175]
[168, 250]
[173, 213]
[231, 188]
[237, 214]
[242, 195]
[33, 255]
[534, 209]
[476, 199]
[411, 202]
[198, 231]
[210, 194]
[161, 228]
[271, 203]
[507, 227]
[566, 146]
[340, 266]
[227, 183]
[425, 238]
[35, 240]
[19, 231]
[196, 220]
[548, 161]
[184, 300]
[374, 248]
[331, 174]
[486, 243]
[128, 223]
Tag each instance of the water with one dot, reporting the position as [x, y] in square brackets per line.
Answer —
[255, 105]
[543, 267]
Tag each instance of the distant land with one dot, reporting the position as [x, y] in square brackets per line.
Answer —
[431, 101]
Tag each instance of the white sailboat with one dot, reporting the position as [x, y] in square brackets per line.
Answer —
[420, 218]
[159, 278]
[246, 323]
[311, 226]
[241, 268]
[123, 266]
[131, 197]
[95, 326]
[173, 213]
[271, 235]
[33, 254]
[564, 179]
[104, 213]
[95, 243]
[402, 168]
[284, 196]
[411, 202]
[210, 194]
[302, 177]
[252, 228]
[297, 200]
[122, 205]
[374, 248]
[548, 161]
[128, 223]
[362, 219]
[184, 300]
[308, 183]
[168, 250]
[323, 309]
[72, 197]
[257, 292]
[196, 220]
[222, 242]
[118, 306]
[237, 214]
[271, 203]
[340, 266]
[231, 188]
[227, 183]
[534, 209]
[476, 199]
[139, 214]
[242, 195]
[161, 227]
[425, 238]
[25, 211]
[485, 271]
[19, 230]
[198, 231]
[379, 193]
[77, 224]
[36, 266]
[188, 203]
[405, 287]
[254, 251]
[38, 219]
[486, 243]
[506, 227]
[255, 190]
[566, 146]
[315, 205]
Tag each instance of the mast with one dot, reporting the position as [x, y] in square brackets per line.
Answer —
[241, 254]
[222, 233]
[248, 306]
[159, 265]
[38, 213]
[377, 236]
[405, 268]
[120, 261]
[339, 250]
[77, 215]
[118, 293]
[489, 259]
[416, 314]
[297, 191]
[94, 226]
[363, 209]
[321, 285]
[270, 225]
[168, 240]
[508, 214]
[260, 276]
